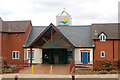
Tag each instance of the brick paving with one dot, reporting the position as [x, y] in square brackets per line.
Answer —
[45, 69]
[61, 69]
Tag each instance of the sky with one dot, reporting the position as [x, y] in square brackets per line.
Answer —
[43, 12]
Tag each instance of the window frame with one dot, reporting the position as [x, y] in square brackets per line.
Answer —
[16, 55]
[33, 57]
[102, 52]
[102, 37]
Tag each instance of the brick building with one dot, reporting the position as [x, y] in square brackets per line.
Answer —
[20, 41]
[12, 38]
[108, 46]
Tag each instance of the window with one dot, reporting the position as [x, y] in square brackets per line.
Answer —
[102, 54]
[29, 55]
[15, 54]
[102, 37]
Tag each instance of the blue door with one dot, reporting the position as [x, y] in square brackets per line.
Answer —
[85, 57]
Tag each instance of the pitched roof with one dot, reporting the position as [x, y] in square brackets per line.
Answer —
[34, 33]
[15, 26]
[77, 35]
[110, 29]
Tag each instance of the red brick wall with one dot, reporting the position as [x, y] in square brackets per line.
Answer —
[119, 50]
[0, 44]
[5, 47]
[27, 31]
[107, 47]
[116, 48]
[14, 42]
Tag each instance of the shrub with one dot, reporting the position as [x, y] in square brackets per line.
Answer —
[6, 68]
[107, 64]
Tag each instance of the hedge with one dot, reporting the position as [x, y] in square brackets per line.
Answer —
[106, 64]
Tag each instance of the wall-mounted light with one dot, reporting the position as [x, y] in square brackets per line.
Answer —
[16, 34]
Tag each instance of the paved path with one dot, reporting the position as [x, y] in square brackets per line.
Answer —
[45, 69]
[59, 76]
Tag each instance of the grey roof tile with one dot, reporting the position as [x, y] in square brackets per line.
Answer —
[77, 35]
[15, 26]
[110, 29]
[35, 32]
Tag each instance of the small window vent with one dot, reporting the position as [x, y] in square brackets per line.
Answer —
[95, 32]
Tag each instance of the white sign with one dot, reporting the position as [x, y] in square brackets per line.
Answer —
[63, 20]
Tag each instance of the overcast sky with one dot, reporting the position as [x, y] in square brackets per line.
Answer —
[43, 12]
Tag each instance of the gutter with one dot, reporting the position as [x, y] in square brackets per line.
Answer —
[84, 47]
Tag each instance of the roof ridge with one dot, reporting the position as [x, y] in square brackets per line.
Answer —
[68, 26]
[19, 21]
[76, 26]
[104, 23]
[40, 26]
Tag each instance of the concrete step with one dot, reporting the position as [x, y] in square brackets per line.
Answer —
[84, 66]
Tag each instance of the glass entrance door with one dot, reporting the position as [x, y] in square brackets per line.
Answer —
[46, 56]
[55, 56]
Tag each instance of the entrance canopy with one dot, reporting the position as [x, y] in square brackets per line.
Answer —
[54, 37]
[73, 35]
[51, 37]
[55, 42]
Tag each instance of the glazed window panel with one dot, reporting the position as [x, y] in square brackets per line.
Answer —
[102, 54]
[102, 37]
[29, 55]
[15, 54]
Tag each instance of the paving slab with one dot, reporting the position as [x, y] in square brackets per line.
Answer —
[59, 76]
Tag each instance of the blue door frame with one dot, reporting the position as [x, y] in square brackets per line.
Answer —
[85, 57]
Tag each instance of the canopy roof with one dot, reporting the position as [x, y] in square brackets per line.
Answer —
[76, 35]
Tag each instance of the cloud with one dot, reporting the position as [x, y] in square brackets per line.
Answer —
[43, 12]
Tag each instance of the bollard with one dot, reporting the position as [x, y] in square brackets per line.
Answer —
[32, 69]
[51, 69]
[16, 77]
[73, 77]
